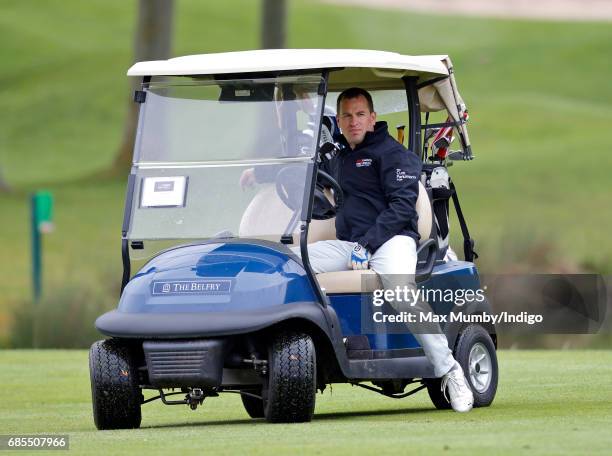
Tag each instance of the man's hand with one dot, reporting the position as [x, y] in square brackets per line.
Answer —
[360, 258]
[247, 179]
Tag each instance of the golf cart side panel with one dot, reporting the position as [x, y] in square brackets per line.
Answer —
[218, 277]
[349, 309]
[447, 276]
[459, 275]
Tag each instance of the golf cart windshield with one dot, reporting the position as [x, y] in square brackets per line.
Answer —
[210, 154]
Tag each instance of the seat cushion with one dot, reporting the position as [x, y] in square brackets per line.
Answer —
[349, 281]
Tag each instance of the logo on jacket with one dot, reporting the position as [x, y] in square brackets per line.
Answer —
[401, 175]
[363, 162]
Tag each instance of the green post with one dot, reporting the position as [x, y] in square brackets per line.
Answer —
[41, 222]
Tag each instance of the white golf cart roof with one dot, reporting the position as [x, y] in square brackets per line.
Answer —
[293, 59]
[372, 70]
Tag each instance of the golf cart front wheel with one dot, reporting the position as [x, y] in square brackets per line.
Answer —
[291, 386]
[115, 393]
[476, 354]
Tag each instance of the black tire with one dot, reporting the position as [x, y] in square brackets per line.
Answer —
[291, 387]
[471, 336]
[253, 406]
[434, 389]
[115, 394]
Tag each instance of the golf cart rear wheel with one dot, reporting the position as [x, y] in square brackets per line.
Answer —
[476, 354]
[291, 386]
[253, 406]
[115, 394]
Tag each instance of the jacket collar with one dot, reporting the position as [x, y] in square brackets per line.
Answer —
[371, 137]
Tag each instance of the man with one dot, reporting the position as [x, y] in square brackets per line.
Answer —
[377, 226]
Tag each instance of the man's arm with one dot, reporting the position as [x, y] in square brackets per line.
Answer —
[263, 174]
[399, 172]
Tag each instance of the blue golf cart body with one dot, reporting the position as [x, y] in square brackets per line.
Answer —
[224, 196]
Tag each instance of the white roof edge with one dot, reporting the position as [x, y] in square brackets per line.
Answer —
[287, 60]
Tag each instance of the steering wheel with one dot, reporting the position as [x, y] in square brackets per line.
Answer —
[323, 208]
[289, 184]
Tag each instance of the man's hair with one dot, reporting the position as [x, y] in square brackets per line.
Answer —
[354, 92]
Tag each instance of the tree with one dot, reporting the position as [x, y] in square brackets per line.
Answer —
[4, 186]
[273, 24]
[153, 41]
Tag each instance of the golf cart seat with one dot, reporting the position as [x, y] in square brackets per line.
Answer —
[266, 209]
[264, 215]
[351, 281]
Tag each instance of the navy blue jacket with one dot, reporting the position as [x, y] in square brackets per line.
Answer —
[380, 180]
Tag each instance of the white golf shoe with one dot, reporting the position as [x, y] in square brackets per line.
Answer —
[455, 383]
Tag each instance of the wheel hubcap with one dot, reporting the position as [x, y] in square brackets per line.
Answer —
[480, 367]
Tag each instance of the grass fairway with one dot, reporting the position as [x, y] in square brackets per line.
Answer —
[548, 402]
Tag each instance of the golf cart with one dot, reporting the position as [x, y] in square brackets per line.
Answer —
[224, 196]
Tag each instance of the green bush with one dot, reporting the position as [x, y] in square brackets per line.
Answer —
[63, 318]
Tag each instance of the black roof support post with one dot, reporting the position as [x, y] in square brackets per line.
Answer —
[414, 114]
[308, 200]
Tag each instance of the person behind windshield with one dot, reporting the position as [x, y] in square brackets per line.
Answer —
[290, 103]
[377, 226]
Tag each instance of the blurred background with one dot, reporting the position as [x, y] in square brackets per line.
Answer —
[535, 77]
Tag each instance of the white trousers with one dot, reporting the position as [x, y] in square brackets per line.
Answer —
[394, 261]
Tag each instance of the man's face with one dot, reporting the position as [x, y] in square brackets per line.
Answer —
[355, 119]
